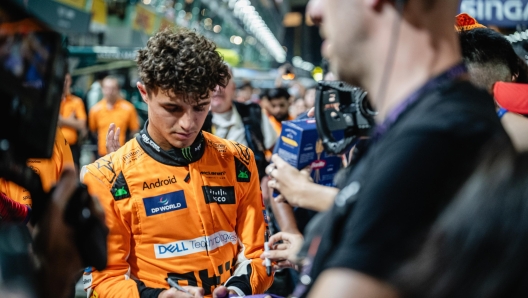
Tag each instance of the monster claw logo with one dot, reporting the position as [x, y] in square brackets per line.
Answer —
[187, 153]
[120, 192]
[164, 201]
[243, 175]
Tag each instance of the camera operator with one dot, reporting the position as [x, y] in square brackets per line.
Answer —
[432, 124]
[36, 169]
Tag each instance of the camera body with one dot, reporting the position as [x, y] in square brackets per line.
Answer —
[342, 107]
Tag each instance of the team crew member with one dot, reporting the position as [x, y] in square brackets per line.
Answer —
[49, 171]
[72, 119]
[112, 109]
[279, 99]
[180, 203]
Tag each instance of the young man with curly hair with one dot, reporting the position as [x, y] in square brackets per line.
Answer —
[180, 203]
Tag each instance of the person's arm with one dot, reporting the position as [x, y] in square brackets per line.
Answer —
[345, 282]
[296, 187]
[283, 214]
[72, 122]
[115, 280]
[250, 276]
[63, 155]
[270, 136]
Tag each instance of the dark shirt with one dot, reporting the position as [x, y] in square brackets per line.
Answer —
[405, 179]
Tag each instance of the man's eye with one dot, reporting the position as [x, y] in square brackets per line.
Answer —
[200, 108]
[172, 109]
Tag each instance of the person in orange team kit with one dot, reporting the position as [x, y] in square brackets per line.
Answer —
[279, 108]
[72, 119]
[49, 171]
[112, 109]
[181, 204]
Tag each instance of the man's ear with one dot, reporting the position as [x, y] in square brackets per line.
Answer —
[143, 91]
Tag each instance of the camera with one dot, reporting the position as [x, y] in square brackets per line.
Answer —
[32, 71]
[342, 107]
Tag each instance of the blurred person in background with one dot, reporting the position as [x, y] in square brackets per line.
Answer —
[173, 174]
[491, 58]
[244, 123]
[112, 109]
[72, 120]
[95, 93]
[279, 103]
[264, 101]
[298, 108]
[432, 124]
[245, 93]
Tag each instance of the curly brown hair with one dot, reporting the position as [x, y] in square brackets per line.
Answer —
[181, 62]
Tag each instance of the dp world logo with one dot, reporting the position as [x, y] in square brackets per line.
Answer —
[165, 203]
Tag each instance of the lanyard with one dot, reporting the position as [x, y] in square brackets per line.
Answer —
[446, 77]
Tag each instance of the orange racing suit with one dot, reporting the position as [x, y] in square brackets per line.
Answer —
[194, 215]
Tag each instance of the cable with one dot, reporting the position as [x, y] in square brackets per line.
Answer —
[389, 64]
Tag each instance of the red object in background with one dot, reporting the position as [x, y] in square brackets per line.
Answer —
[512, 96]
[465, 22]
[11, 211]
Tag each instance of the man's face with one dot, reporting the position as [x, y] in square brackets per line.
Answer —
[110, 88]
[279, 108]
[344, 27]
[222, 99]
[173, 121]
[244, 94]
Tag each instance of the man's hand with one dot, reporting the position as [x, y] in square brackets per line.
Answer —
[222, 292]
[285, 253]
[112, 138]
[287, 180]
[196, 292]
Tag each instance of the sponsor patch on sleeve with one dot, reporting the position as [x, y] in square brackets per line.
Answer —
[242, 172]
[120, 189]
[165, 203]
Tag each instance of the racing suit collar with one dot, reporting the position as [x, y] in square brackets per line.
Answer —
[174, 156]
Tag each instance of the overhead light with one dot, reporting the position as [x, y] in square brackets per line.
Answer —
[237, 40]
[146, 2]
[253, 22]
[217, 28]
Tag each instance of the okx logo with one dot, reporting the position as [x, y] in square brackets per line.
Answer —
[165, 203]
[186, 152]
[219, 194]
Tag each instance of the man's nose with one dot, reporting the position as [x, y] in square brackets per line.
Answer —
[315, 10]
[187, 121]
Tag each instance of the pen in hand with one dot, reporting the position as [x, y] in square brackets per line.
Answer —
[175, 285]
[266, 249]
